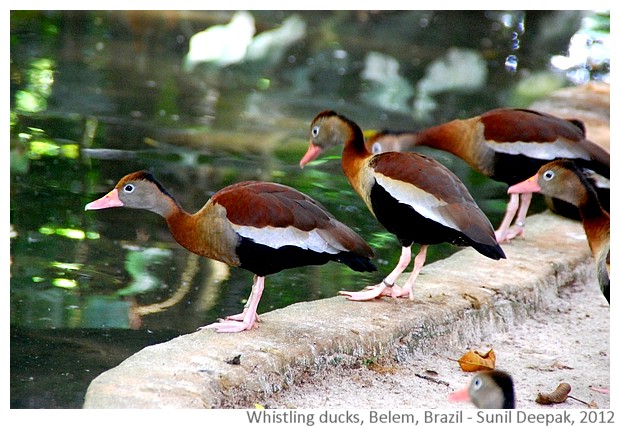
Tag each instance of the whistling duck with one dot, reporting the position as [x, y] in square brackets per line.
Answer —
[411, 195]
[488, 390]
[260, 226]
[507, 145]
[564, 180]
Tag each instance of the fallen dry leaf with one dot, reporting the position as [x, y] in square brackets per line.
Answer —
[475, 361]
[556, 397]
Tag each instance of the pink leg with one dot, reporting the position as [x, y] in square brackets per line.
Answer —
[242, 315]
[387, 286]
[511, 210]
[418, 263]
[518, 229]
[239, 316]
[250, 318]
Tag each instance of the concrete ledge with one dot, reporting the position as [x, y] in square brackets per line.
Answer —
[458, 300]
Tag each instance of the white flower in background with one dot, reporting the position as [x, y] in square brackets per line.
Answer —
[272, 44]
[459, 69]
[222, 45]
[232, 43]
[388, 90]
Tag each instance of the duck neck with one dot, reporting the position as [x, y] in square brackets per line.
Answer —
[462, 138]
[594, 218]
[586, 199]
[592, 213]
[355, 151]
[591, 207]
[183, 227]
[179, 221]
[444, 137]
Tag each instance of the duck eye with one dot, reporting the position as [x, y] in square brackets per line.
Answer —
[315, 131]
[129, 188]
[548, 175]
[376, 147]
[477, 383]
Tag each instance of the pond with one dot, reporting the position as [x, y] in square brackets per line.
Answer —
[98, 94]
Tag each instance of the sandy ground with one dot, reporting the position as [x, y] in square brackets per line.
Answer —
[567, 342]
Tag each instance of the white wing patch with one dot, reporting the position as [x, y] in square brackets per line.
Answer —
[279, 237]
[421, 201]
[547, 151]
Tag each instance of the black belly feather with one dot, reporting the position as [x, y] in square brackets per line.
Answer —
[263, 260]
[410, 227]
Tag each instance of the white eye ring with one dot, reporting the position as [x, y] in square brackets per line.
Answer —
[477, 383]
[376, 147]
[129, 188]
[548, 175]
[315, 131]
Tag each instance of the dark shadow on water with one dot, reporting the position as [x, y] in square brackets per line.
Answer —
[51, 368]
